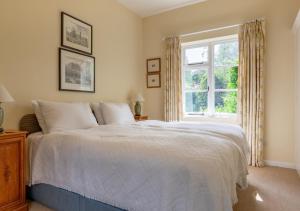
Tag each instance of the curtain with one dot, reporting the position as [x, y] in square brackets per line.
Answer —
[172, 92]
[251, 87]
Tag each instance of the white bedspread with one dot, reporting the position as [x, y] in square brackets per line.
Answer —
[145, 166]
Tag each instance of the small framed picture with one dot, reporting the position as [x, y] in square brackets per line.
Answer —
[76, 34]
[153, 65]
[76, 71]
[153, 80]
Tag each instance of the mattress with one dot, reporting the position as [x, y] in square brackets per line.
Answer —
[145, 166]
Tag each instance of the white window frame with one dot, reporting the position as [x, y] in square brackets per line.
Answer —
[210, 67]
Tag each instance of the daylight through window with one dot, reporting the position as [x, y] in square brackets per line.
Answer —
[210, 72]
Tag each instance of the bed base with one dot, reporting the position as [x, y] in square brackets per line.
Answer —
[62, 200]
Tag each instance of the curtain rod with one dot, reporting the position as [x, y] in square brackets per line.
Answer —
[216, 29]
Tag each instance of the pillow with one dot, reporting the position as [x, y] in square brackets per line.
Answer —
[66, 116]
[98, 113]
[116, 113]
[38, 114]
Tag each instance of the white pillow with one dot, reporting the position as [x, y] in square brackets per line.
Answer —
[67, 116]
[38, 114]
[98, 113]
[116, 113]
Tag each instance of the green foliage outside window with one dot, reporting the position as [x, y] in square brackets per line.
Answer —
[226, 102]
[196, 101]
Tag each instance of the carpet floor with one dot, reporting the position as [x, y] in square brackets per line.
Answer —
[270, 189]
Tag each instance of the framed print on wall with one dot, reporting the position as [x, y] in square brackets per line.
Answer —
[76, 34]
[76, 71]
[153, 65]
[153, 81]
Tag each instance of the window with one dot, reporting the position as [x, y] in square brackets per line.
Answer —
[209, 74]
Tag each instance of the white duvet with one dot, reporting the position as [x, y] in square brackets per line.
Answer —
[146, 166]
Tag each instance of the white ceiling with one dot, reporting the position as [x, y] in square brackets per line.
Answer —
[146, 8]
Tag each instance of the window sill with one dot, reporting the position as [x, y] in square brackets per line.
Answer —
[232, 119]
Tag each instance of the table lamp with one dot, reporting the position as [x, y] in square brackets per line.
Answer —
[138, 106]
[4, 98]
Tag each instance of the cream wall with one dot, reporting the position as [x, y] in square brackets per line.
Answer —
[297, 92]
[30, 37]
[279, 77]
[29, 41]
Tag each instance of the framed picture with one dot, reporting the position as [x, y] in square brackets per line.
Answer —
[153, 65]
[76, 71]
[76, 34]
[153, 80]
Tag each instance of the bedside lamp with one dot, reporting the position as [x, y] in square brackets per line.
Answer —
[138, 106]
[4, 98]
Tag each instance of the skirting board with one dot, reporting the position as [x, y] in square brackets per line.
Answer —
[280, 164]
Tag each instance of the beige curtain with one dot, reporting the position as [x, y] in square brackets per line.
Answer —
[172, 93]
[251, 87]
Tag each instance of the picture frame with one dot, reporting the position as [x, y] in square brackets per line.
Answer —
[76, 34]
[76, 71]
[153, 65]
[153, 80]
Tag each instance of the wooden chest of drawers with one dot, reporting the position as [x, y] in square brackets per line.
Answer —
[12, 171]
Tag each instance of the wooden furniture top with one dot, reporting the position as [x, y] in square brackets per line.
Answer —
[140, 118]
[11, 133]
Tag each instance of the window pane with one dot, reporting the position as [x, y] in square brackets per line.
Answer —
[196, 102]
[226, 78]
[196, 55]
[226, 54]
[226, 102]
[195, 79]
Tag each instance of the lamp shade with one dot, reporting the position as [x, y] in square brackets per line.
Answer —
[139, 98]
[4, 95]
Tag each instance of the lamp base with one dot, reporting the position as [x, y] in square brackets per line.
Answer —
[138, 108]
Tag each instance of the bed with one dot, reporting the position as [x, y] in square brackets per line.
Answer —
[149, 165]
